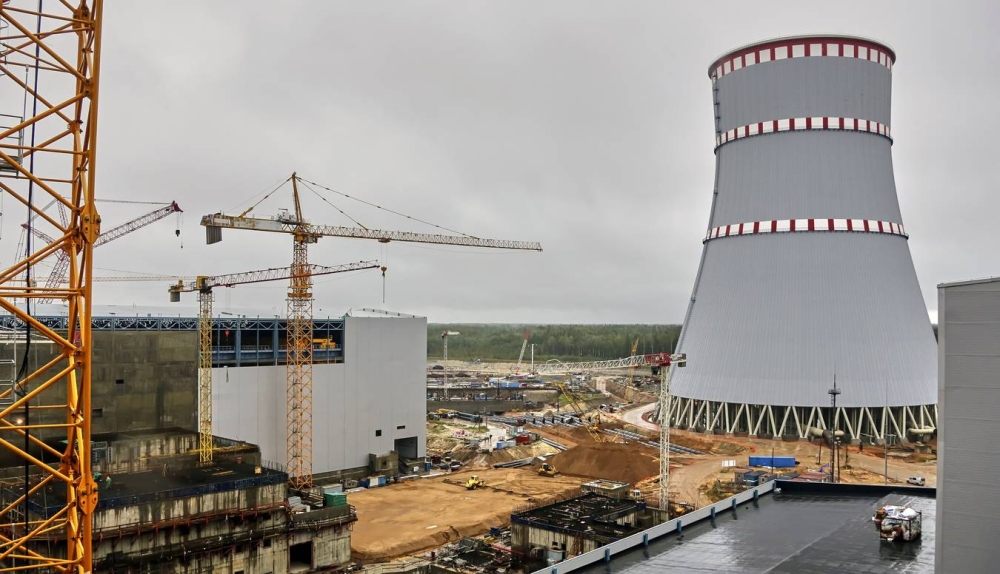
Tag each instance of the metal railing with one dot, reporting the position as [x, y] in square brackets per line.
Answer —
[12, 144]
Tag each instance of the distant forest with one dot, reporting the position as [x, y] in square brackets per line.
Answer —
[498, 342]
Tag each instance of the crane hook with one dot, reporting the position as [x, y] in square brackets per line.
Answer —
[384, 269]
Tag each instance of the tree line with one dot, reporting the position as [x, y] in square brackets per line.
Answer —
[502, 342]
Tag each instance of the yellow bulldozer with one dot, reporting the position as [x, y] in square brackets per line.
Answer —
[547, 470]
[475, 482]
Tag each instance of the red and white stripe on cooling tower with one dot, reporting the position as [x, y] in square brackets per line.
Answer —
[802, 48]
[801, 124]
[805, 226]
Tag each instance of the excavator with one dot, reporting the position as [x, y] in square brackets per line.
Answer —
[474, 482]
[547, 470]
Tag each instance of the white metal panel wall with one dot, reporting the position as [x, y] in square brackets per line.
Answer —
[968, 499]
[379, 386]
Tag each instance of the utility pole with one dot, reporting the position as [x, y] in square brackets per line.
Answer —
[532, 358]
[833, 433]
[885, 447]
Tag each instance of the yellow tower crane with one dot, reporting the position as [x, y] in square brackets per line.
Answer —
[204, 285]
[59, 45]
[300, 307]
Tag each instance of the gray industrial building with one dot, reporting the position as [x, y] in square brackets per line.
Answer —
[806, 275]
[372, 401]
[368, 387]
[969, 401]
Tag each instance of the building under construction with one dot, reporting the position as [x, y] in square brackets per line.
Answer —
[546, 534]
[159, 509]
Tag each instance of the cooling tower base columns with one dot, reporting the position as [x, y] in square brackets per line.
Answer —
[869, 424]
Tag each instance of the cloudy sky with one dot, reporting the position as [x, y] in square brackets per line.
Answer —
[586, 126]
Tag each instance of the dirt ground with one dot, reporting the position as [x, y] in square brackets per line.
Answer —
[613, 461]
[418, 515]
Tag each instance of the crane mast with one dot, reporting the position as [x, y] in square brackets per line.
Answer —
[204, 285]
[299, 362]
[444, 337]
[520, 357]
[63, 98]
[680, 360]
[299, 373]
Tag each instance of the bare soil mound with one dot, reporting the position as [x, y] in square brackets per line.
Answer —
[613, 461]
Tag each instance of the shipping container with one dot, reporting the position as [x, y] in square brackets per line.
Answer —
[775, 462]
[335, 499]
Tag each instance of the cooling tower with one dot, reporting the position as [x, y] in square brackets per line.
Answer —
[805, 275]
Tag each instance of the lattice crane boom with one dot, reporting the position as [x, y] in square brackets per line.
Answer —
[60, 269]
[216, 222]
[204, 285]
[137, 223]
[653, 360]
[300, 307]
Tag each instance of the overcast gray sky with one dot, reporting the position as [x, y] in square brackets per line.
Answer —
[586, 126]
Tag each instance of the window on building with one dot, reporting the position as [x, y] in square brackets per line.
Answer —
[119, 381]
[98, 413]
[378, 432]
[400, 427]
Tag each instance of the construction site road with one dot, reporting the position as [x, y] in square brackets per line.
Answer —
[419, 515]
[634, 417]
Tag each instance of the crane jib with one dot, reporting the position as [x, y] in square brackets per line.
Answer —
[216, 222]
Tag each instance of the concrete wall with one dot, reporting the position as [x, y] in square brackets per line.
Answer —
[244, 530]
[360, 406]
[968, 499]
[141, 379]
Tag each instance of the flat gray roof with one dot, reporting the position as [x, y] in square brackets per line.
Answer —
[789, 533]
[970, 282]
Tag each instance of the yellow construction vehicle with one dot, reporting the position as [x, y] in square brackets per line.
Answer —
[474, 482]
[547, 470]
[324, 343]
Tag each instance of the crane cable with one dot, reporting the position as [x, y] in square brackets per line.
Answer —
[388, 210]
[266, 195]
[21, 375]
[328, 202]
